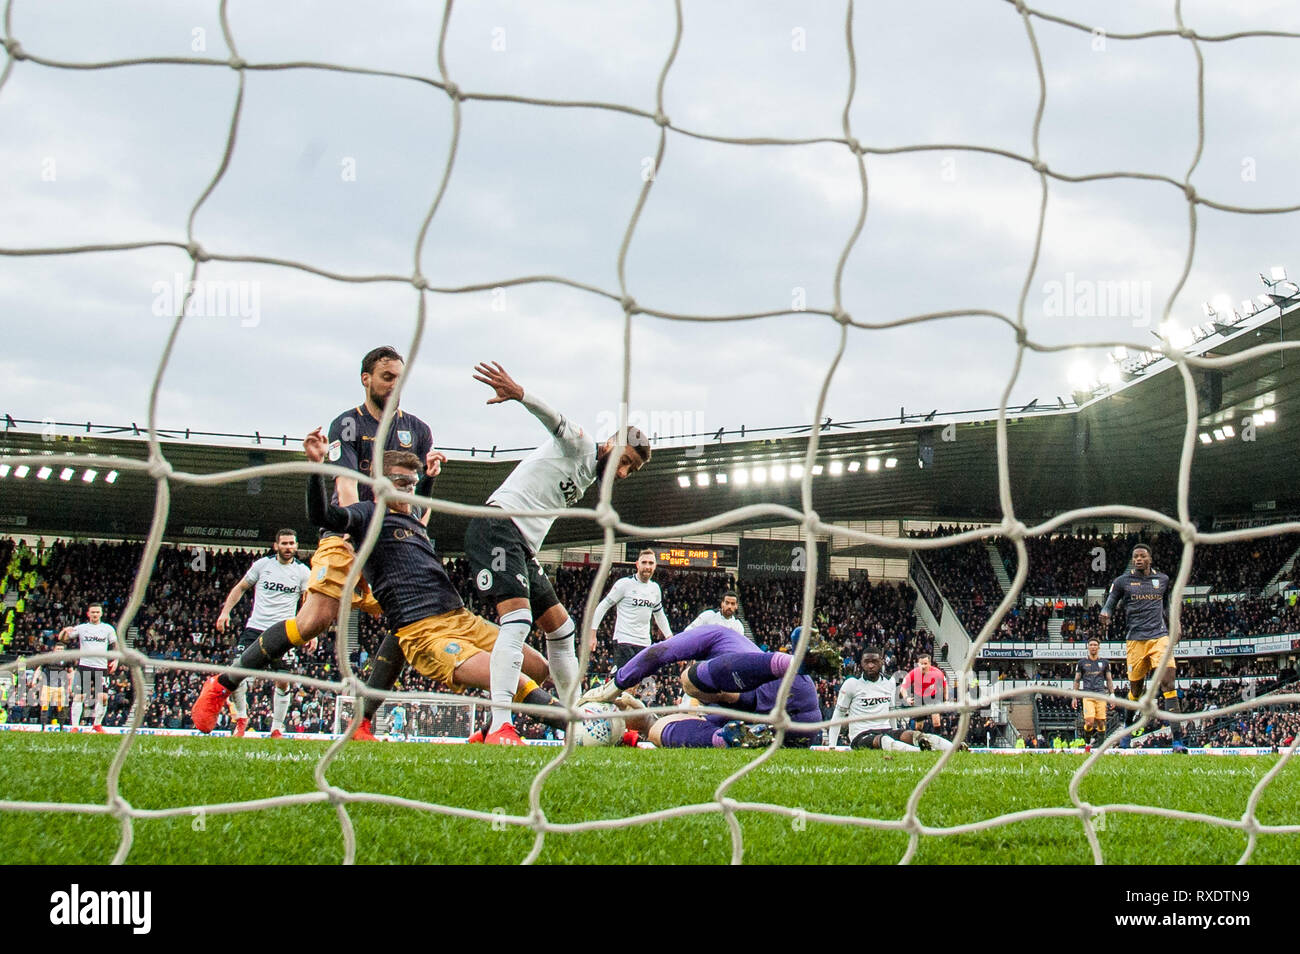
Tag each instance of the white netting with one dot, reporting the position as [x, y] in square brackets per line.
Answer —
[158, 467]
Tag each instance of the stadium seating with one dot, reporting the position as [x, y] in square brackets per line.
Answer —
[176, 622]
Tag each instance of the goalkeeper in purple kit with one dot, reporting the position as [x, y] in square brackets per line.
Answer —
[727, 670]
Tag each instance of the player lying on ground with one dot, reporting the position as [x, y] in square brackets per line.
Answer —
[1145, 593]
[503, 552]
[866, 701]
[436, 634]
[89, 680]
[728, 670]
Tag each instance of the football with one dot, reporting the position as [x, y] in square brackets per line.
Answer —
[605, 731]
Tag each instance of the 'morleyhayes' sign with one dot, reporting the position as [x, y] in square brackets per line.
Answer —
[780, 558]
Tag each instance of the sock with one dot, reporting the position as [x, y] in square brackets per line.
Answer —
[533, 694]
[279, 708]
[692, 734]
[938, 741]
[890, 744]
[563, 658]
[740, 672]
[1172, 704]
[100, 708]
[507, 661]
[385, 666]
[272, 644]
[76, 713]
[240, 697]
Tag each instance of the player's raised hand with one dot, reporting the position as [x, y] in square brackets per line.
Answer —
[433, 463]
[495, 377]
[315, 445]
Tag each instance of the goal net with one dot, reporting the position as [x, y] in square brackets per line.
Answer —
[450, 715]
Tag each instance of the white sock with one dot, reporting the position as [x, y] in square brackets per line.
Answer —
[563, 659]
[240, 695]
[76, 714]
[938, 741]
[507, 661]
[101, 706]
[279, 708]
[890, 744]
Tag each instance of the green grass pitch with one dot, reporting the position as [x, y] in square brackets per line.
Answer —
[612, 783]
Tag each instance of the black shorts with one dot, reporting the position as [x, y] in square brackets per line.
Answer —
[503, 566]
[623, 653]
[246, 639]
[867, 739]
[88, 682]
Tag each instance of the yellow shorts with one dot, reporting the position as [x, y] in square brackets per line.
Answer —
[330, 565]
[1144, 655]
[436, 645]
[1094, 710]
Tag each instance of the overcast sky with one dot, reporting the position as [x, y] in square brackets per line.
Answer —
[338, 171]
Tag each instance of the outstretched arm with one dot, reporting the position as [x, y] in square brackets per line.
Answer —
[320, 511]
[507, 389]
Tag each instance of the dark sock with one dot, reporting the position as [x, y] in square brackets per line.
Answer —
[386, 667]
[540, 697]
[740, 672]
[1171, 703]
[692, 734]
[271, 645]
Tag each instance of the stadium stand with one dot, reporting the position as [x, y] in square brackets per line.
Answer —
[55, 583]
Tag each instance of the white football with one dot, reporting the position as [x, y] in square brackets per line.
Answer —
[604, 731]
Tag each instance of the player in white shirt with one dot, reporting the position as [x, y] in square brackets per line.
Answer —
[503, 552]
[724, 615]
[639, 600]
[101, 637]
[866, 701]
[281, 582]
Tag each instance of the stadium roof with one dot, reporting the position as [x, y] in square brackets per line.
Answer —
[1122, 448]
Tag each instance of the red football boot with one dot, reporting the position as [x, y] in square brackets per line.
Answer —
[209, 705]
[506, 735]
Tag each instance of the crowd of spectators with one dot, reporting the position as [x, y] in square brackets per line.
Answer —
[965, 577]
[176, 622]
[1068, 564]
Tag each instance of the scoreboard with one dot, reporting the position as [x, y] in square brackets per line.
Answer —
[686, 554]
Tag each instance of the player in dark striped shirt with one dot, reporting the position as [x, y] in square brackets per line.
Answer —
[1145, 595]
[1094, 674]
[436, 633]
